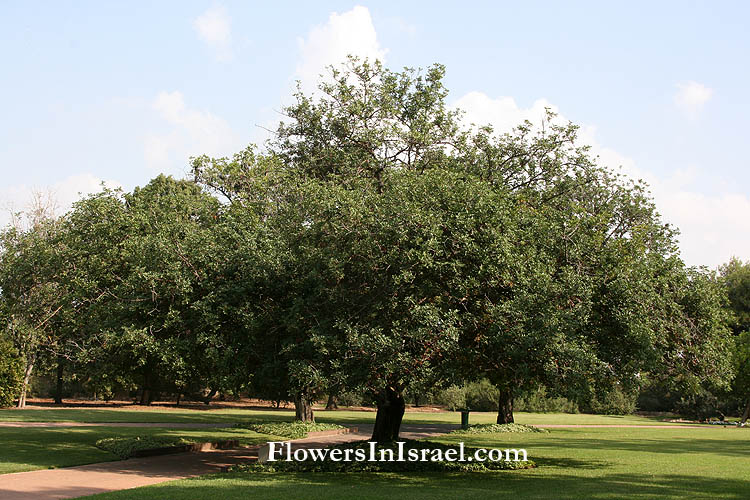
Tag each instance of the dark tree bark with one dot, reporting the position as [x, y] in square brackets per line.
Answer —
[147, 390]
[210, 396]
[331, 404]
[391, 407]
[147, 396]
[179, 396]
[303, 409]
[59, 388]
[746, 414]
[505, 406]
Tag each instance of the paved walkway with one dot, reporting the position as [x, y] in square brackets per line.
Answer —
[71, 482]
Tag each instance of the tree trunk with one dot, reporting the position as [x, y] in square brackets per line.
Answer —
[391, 407]
[746, 414]
[179, 395]
[303, 409]
[146, 393]
[210, 396]
[331, 404]
[26, 378]
[59, 388]
[505, 406]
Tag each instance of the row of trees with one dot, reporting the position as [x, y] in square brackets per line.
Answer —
[374, 245]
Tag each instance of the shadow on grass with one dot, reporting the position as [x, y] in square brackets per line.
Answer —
[39, 448]
[515, 484]
[669, 445]
[157, 415]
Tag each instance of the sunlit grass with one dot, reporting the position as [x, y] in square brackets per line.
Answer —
[607, 463]
[229, 416]
[42, 448]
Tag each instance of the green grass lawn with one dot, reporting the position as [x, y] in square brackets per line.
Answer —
[608, 463]
[34, 448]
[43, 448]
[228, 416]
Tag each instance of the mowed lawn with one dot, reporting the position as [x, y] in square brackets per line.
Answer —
[141, 414]
[607, 463]
[23, 449]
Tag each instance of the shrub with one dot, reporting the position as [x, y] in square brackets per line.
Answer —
[453, 397]
[539, 401]
[350, 398]
[126, 447]
[11, 373]
[614, 402]
[329, 465]
[495, 428]
[288, 430]
[482, 396]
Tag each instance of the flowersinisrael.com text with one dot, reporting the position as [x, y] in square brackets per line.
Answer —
[282, 451]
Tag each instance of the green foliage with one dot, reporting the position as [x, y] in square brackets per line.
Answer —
[351, 398]
[476, 396]
[146, 267]
[538, 400]
[406, 250]
[329, 465]
[615, 401]
[37, 308]
[741, 358]
[482, 396]
[288, 430]
[496, 428]
[736, 276]
[125, 447]
[11, 372]
[452, 397]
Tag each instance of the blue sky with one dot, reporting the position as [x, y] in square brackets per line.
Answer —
[93, 91]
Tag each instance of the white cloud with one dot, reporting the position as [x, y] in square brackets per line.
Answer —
[63, 193]
[193, 132]
[691, 97]
[713, 227]
[502, 113]
[328, 44]
[214, 28]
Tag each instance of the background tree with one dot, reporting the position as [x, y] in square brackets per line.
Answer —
[34, 286]
[11, 372]
[736, 278]
[145, 261]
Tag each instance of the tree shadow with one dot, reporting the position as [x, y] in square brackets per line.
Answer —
[508, 484]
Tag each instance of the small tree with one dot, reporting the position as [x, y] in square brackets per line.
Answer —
[34, 287]
[11, 372]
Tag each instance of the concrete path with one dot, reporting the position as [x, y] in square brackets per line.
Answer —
[71, 482]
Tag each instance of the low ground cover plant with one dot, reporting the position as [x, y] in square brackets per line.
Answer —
[289, 430]
[125, 447]
[494, 428]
